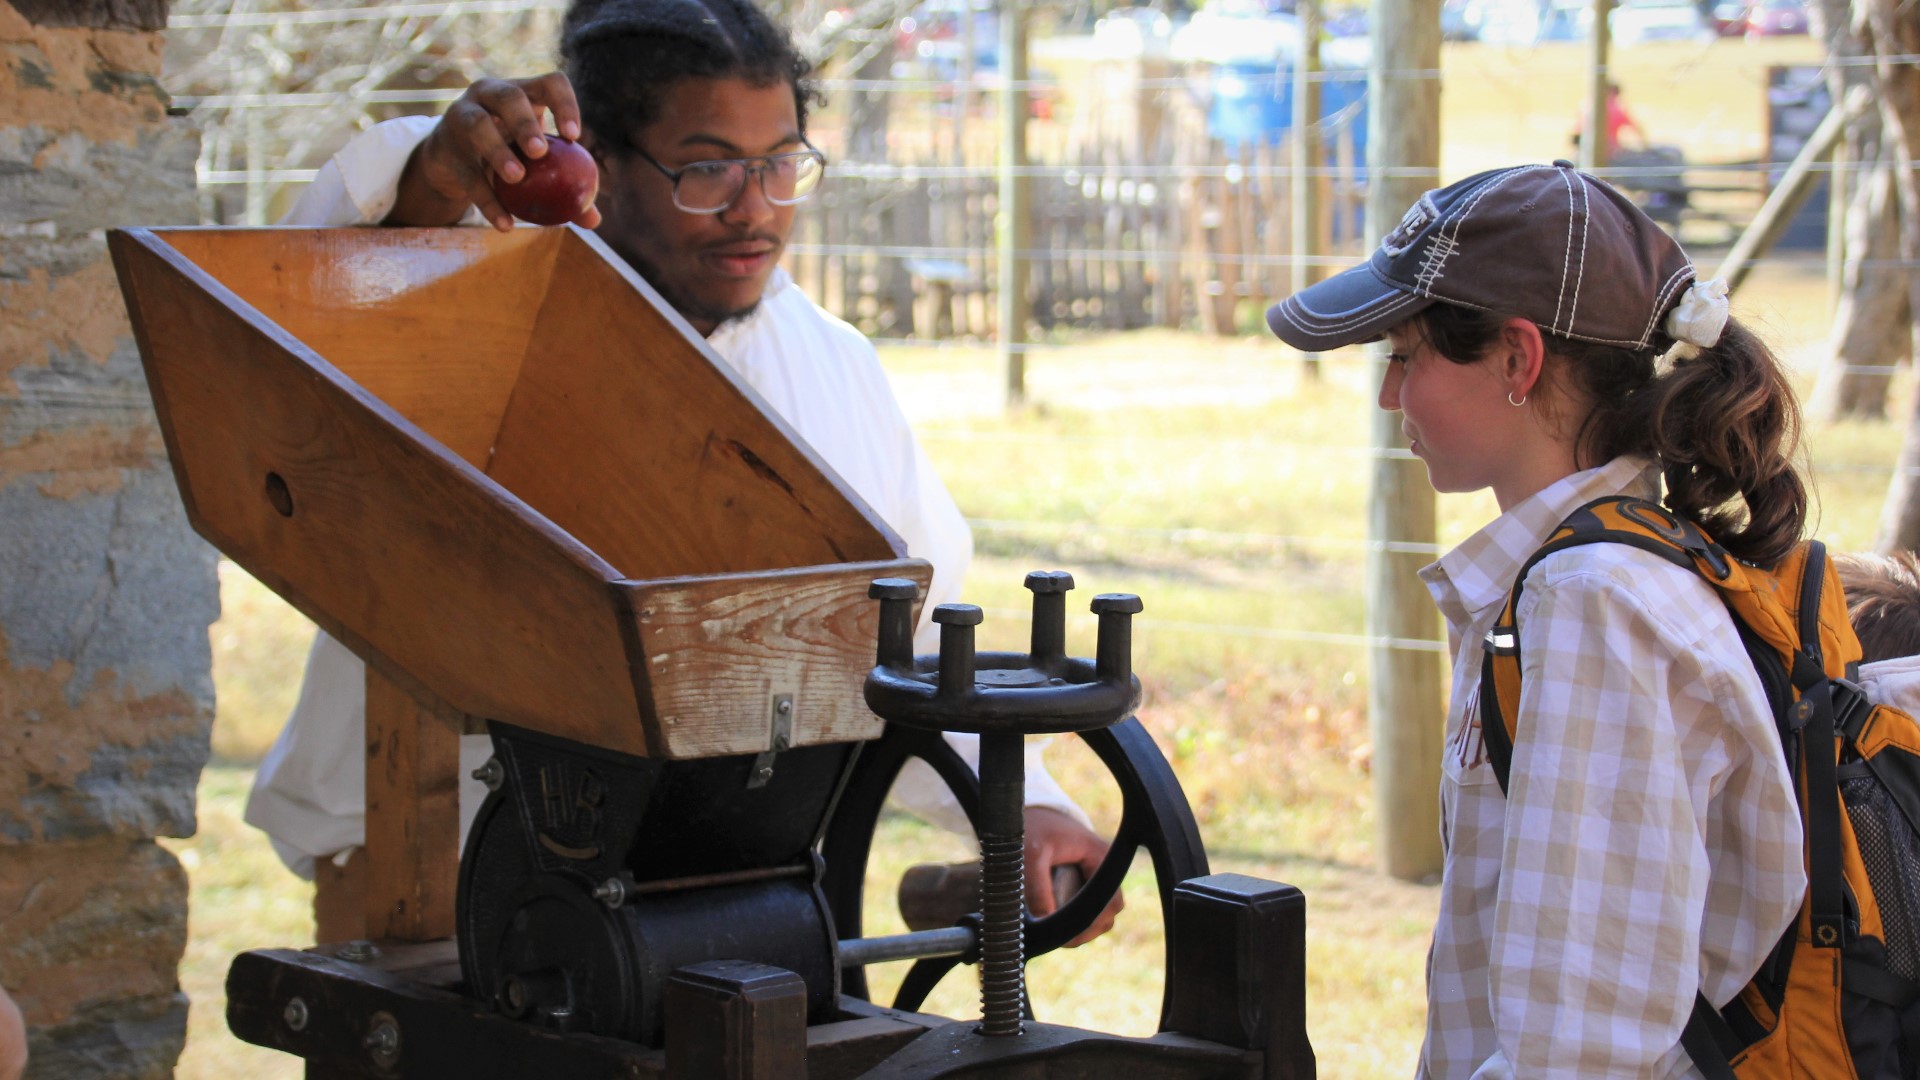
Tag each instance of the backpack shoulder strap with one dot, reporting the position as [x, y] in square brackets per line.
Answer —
[1617, 519]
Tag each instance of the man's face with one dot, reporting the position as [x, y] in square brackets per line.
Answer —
[710, 267]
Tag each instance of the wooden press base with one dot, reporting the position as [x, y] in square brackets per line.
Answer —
[443, 1033]
[725, 1028]
[1235, 1010]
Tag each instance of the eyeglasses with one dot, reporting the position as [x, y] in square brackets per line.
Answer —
[708, 187]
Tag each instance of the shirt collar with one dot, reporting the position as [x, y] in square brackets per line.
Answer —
[724, 334]
[1480, 572]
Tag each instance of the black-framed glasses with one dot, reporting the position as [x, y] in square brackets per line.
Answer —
[708, 187]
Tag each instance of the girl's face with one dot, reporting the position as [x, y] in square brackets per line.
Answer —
[1456, 415]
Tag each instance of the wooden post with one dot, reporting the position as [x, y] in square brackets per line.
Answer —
[1404, 684]
[1306, 162]
[1237, 958]
[732, 1020]
[1791, 193]
[1594, 150]
[413, 816]
[1014, 226]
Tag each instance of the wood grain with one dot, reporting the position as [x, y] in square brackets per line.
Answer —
[630, 434]
[432, 322]
[413, 817]
[718, 649]
[403, 551]
[329, 399]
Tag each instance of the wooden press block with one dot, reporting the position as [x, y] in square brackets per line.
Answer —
[503, 470]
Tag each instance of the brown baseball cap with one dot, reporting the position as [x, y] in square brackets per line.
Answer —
[1545, 242]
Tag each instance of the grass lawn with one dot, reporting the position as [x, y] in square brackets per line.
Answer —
[1228, 491]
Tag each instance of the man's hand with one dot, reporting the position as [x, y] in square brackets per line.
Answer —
[448, 172]
[13, 1039]
[1054, 839]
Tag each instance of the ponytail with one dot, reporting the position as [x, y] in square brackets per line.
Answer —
[1723, 423]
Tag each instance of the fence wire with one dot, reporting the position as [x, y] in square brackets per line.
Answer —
[855, 254]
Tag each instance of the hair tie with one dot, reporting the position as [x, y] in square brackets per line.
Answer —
[1701, 315]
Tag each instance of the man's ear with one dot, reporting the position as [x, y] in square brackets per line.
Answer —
[1522, 351]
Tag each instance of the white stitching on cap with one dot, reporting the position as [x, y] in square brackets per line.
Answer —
[1459, 220]
[1685, 273]
[1566, 258]
[1586, 226]
[1439, 250]
[1367, 314]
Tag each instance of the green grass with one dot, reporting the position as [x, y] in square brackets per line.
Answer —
[1228, 491]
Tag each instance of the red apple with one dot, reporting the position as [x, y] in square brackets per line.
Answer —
[558, 186]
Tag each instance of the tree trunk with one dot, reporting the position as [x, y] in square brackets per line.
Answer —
[867, 110]
[1872, 327]
[1871, 322]
[1894, 30]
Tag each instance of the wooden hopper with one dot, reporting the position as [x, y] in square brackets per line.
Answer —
[505, 472]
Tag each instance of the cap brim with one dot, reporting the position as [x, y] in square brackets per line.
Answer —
[1353, 306]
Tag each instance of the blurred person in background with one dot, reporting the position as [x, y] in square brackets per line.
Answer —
[1619, 122]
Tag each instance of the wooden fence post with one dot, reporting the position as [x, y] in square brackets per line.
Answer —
[1403, 686]
[1014, 231]
[1594, 150]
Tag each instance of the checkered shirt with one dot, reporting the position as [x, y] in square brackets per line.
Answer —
[1650, 845]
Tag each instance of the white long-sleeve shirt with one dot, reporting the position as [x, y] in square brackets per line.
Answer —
[1649, 844]
[824, 379]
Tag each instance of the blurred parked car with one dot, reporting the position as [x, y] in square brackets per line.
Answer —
[931, 41]
[1237, 32]
[1636, 21]
[1766, 18]
[1460, 20]
[1130, 32]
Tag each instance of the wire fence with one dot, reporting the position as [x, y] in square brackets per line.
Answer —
[1162, 189]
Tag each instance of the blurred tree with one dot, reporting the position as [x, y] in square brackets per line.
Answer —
[276, 86]
[1891, 29]
[1872, 321]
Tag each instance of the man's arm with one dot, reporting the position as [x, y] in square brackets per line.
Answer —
[450, 171]
[418, 170]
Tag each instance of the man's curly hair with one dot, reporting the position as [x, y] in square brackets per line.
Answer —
[621, 56]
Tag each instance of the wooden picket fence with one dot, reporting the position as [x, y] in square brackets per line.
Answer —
[1198, 235]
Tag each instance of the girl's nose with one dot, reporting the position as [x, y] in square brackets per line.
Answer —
[1390, 387]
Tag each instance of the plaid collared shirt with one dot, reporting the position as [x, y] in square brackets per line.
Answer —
[1650, 844]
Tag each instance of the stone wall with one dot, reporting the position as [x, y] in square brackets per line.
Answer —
[106, 696]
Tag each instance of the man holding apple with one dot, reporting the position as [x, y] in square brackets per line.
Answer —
[694, 114]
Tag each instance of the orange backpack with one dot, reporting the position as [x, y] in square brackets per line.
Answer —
[1839, 996]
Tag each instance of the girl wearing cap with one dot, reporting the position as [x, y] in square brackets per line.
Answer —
[1648, 847]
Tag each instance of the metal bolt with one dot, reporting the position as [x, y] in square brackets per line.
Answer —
[383, 1040]
[358, 952]
[896, 596]
[785, 707]
[613, 892]
[296, 1014]
[956, 647]
[492, 774]
[1049, 581]
[513, 997]
[1003, 873]
[1049, 588]
[1113, 656]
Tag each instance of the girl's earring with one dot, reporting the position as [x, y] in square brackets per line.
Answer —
[1515, 404]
